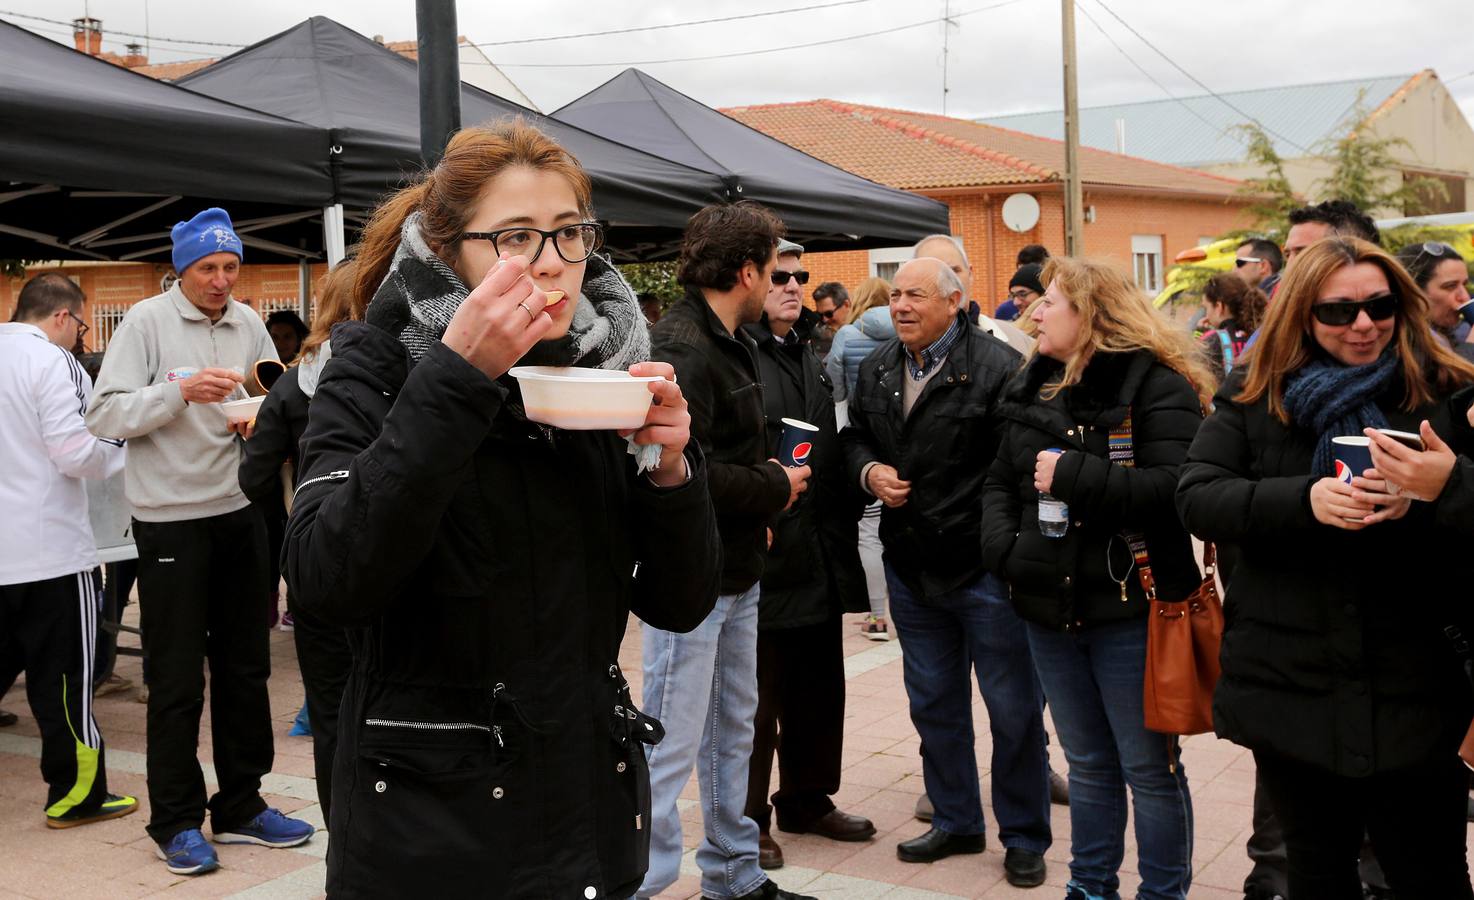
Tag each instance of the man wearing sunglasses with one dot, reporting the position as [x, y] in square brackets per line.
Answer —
[1258, 262]
[50, 594]
[832, 304]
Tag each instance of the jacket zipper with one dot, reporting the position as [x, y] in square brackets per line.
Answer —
[427, 726]
[331, 476]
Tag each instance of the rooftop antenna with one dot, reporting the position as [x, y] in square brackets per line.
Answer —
[948, 23]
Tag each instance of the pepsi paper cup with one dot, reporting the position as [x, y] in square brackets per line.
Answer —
[1466, 312]
[797, 443]
[1353, 456]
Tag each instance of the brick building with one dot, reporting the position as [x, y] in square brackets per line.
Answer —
[1138, 212]
[113, 287]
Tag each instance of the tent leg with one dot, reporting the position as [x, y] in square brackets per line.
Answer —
[304, 290]
[332, 233]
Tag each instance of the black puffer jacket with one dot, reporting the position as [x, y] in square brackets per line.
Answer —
[718, 375]
[1068, 582]
[813, 571]
[943, 448]
[486, 567]
[1332, 651]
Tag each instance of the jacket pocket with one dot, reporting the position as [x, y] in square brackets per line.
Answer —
[626, 837]
[437, 792]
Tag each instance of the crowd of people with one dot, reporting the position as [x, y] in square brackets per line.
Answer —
[1007, 488]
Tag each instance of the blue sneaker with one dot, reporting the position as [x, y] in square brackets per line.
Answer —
[1076, 891]
[269, 829]
[187, 853]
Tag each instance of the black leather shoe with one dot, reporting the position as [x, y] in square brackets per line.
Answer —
[1023, 868]
[937, 844]
[769, 891]
[837, 826]
[769, 854]
[1059, 789]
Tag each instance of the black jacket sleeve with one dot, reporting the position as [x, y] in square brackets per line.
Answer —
[679, 550]
[758, 490]
[377, 479]
[858, 438]
[1165, 417]
[1454, 508]
[1218, 495]
[1002, 508]
[270, 444]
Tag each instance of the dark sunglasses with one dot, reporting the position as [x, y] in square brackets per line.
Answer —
[1344, 312]
[1434, 248]
[1241, 261]
[781, 277]
[827, 314]
[575, 243]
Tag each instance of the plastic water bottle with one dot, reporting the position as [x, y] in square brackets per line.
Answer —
[1054, 513]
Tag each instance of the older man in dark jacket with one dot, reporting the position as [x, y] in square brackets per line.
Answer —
[813, 574]
[923, 431]
[703, 685]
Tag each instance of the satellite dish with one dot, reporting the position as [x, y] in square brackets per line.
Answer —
[1021, 212]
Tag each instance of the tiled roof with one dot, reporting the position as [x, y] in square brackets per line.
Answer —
[919, 150]
[1201, 130]
[173, 71]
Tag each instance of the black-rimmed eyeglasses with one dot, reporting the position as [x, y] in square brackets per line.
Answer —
[574, 243]
[82, 327]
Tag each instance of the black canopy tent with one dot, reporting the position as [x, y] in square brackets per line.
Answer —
[823, 206]
[100, 162]
[323, 73]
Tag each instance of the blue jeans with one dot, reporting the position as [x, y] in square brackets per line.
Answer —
[702, 687]
[1093, 679]
[942, 637]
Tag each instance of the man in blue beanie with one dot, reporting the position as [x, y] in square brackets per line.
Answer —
[203, 565]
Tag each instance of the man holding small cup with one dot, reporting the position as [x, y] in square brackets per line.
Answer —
[812, 576]
[202, 557]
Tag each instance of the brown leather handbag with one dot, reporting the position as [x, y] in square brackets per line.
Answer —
[1182, 636]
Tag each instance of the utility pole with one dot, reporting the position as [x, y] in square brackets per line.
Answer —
[1074, 200]
[440, 76]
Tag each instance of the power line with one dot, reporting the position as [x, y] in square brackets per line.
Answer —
[1204, 119]
[757, 15]
[6, 12]
[1195, 80]
[804, 46]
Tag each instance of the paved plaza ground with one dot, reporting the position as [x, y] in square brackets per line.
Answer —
[882, 779]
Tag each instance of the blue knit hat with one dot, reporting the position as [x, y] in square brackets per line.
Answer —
[208, 232]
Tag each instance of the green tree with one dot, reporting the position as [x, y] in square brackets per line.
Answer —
[1361, 161]
[658, 278]
[1271, 197]
[12, 268]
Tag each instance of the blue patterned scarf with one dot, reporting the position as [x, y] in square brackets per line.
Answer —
[1335, 400]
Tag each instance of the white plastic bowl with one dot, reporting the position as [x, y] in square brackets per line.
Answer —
[242, 410]
[584, 399]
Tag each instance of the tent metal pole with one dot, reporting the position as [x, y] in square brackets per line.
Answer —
[440, 77]
[304, 289]
[332, 233]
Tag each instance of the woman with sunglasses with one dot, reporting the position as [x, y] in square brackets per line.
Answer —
[485, 565]
[1444, 276]
[1337, 671]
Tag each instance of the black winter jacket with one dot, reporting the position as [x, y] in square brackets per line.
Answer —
[1068, 582]
[1332, 651]
[718, 376]
[485, 567]
[279, 425]
[813, 570]
[944, 448]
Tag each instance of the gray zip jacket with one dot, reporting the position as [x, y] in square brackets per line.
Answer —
[182, 460]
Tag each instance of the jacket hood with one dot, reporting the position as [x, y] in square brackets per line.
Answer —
[309, 370]
[876, 324]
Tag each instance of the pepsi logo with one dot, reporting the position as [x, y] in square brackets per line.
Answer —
[801, 451]
[1343, 472]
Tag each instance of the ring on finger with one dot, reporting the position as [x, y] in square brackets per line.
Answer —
[530, 314]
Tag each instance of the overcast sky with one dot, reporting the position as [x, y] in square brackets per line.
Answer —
[1003, 59]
